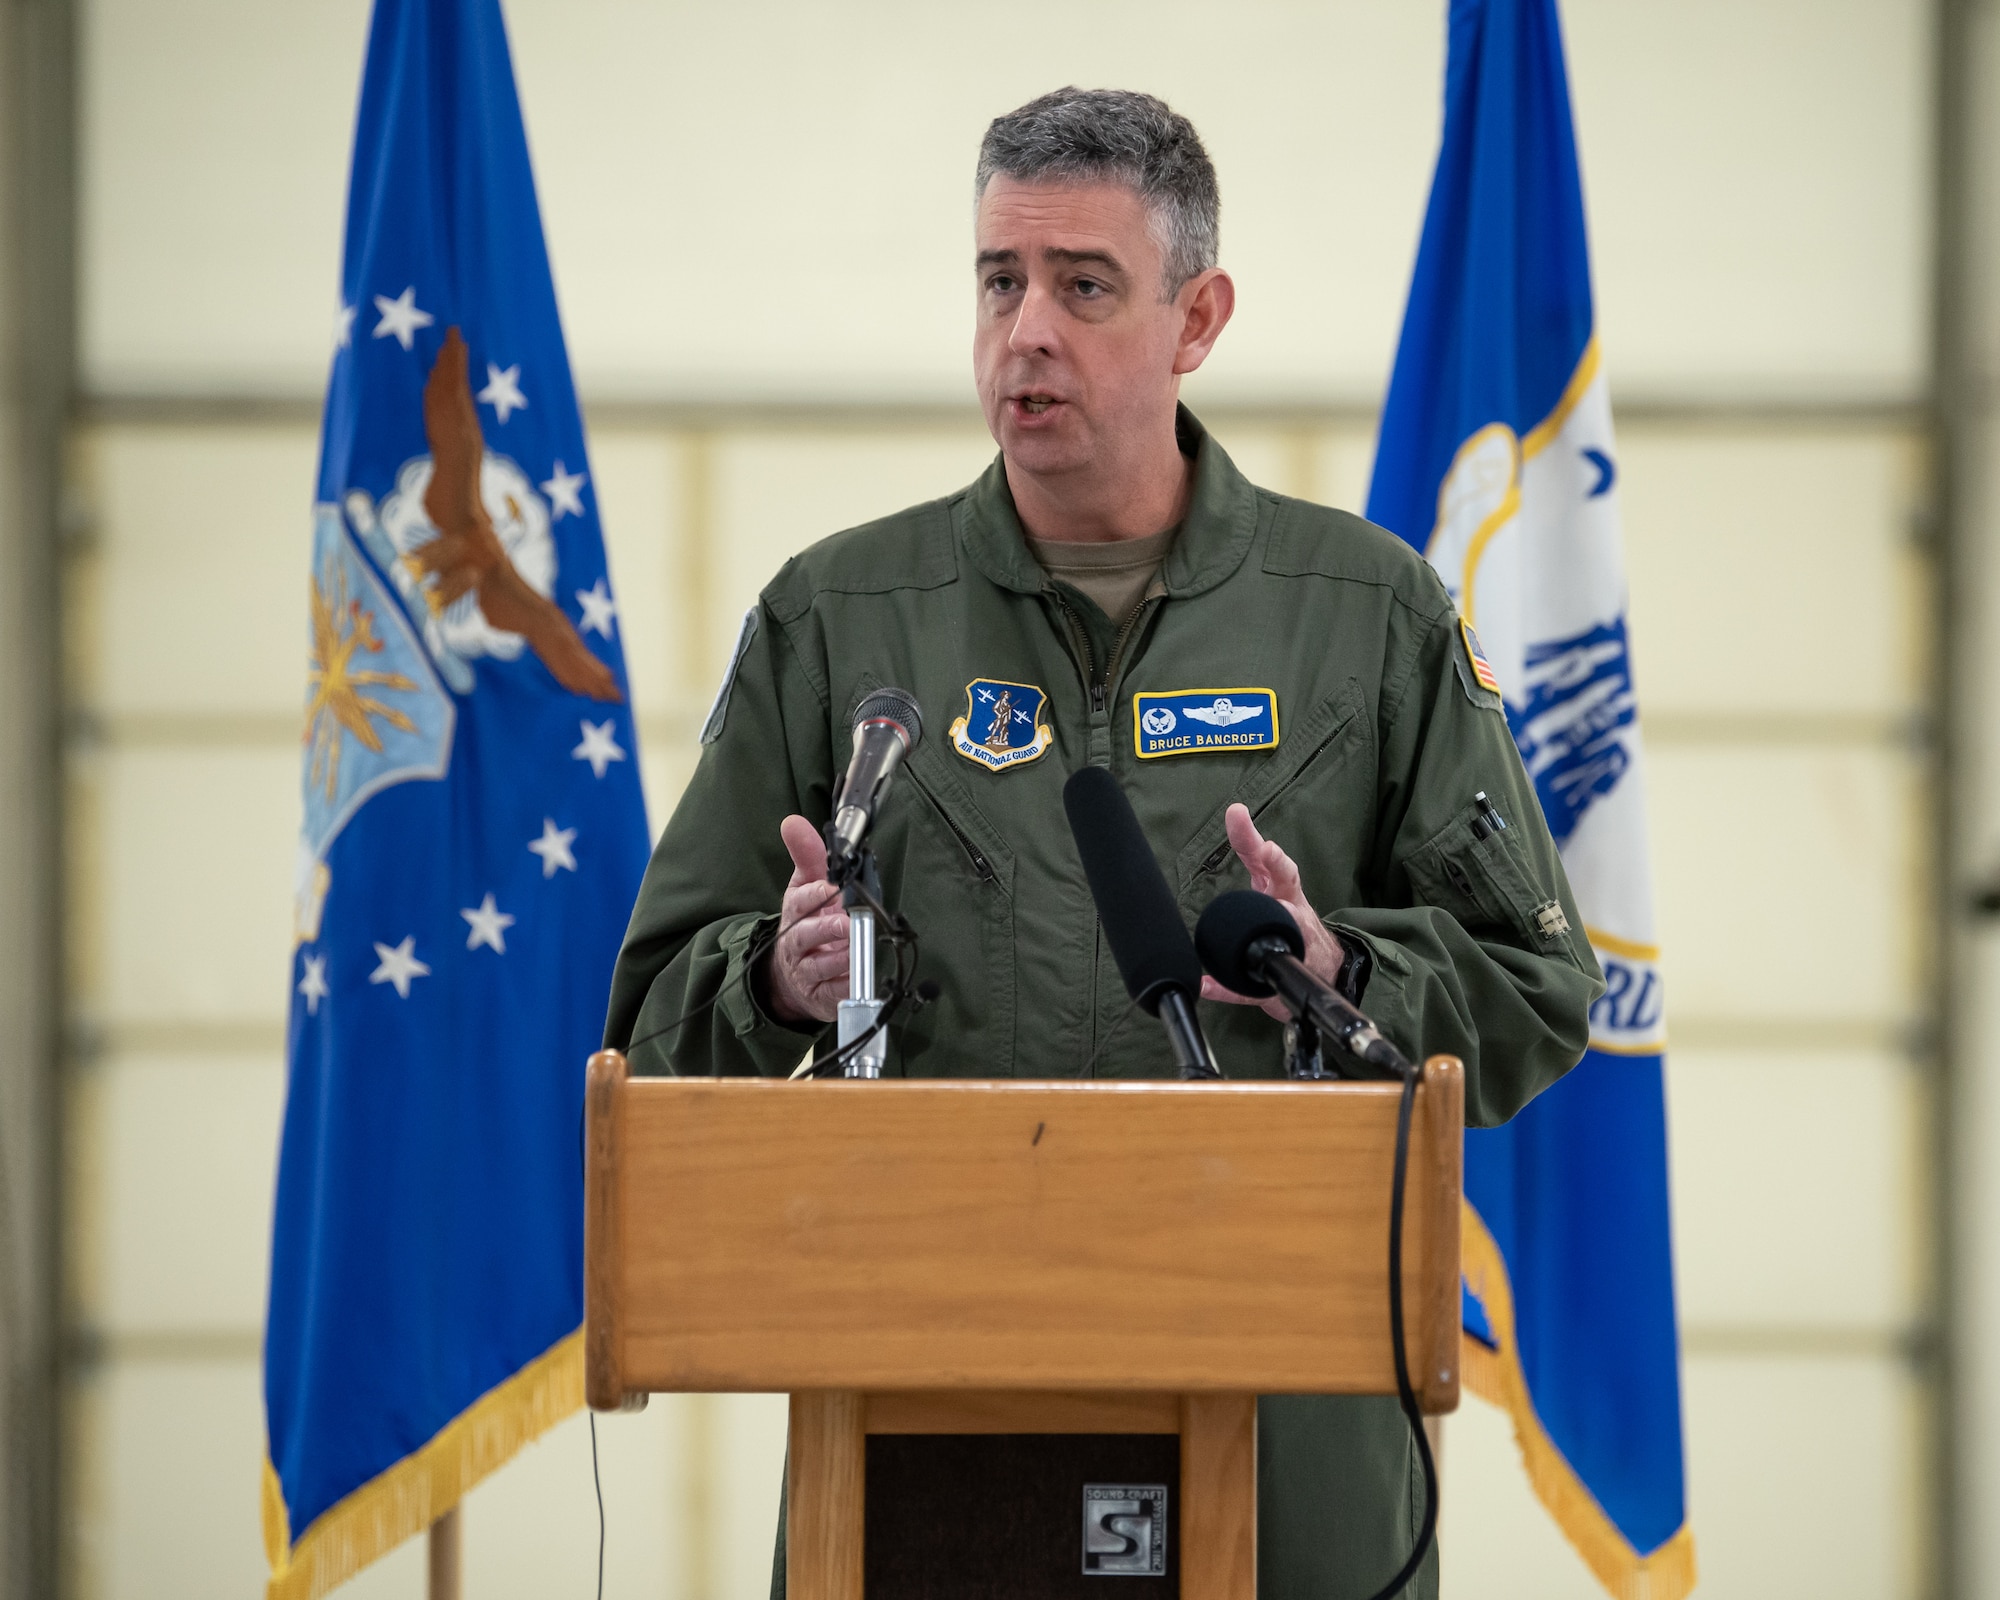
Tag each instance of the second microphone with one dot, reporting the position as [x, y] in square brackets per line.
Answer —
[1142, 924]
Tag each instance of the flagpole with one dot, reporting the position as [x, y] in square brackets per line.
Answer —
[446, 1552]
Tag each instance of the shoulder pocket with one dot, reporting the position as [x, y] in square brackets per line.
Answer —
[1483, 877]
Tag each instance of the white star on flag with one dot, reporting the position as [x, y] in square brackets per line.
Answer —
[399, 966]
[599, 747]
[564, 501]
[343, 327]
[401, 317]
[553, 847]
[503, 391]
[598, 608]
[314, 985]
[489, 925]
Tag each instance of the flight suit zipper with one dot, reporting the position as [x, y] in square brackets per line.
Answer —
[1100, 687]
[1098, 690]
[1125, 632]
[973, 853]
[1079, 641]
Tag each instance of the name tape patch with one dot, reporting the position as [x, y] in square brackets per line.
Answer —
[1189, 722]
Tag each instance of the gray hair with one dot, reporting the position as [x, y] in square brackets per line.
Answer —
[1114, 135]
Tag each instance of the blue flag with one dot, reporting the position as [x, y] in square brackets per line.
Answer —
[474, 835]
[1496, 459]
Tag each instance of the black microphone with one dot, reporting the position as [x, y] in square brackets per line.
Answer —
[887, 726]
[1250, 943]
[1141, 922]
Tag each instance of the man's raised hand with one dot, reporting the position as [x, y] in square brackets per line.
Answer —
[808, 966]
[1274, 873]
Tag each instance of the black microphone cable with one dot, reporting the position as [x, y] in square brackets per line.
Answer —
[597, 1483]
[759, 947]
[896, 928]
[1231, 932]
[901, 936]
[903, 940]
[1406, 1394]
[755, 953]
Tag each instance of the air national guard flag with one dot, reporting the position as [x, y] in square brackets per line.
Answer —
[1496, 460]
[473, 839]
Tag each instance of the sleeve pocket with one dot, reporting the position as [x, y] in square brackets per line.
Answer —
[1483, 878]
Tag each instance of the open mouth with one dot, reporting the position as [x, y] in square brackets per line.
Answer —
[1036, 404]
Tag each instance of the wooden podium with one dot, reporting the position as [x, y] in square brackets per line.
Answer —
[1016, 1257]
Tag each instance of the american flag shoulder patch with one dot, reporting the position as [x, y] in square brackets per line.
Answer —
[1482, 669]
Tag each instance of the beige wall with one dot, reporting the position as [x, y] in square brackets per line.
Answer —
[773, 198]
[766, 205]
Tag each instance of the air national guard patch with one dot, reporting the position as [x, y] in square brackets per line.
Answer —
[1482, 669]
[1186, 722]
[1002, 726]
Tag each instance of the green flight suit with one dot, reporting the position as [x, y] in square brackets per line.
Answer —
[1386, 735]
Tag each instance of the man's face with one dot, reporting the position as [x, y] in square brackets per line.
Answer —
[1076, 354]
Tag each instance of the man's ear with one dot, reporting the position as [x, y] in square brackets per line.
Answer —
[1208, 300]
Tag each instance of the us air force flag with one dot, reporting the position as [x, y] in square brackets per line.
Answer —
[474, 836]
[1496, 459]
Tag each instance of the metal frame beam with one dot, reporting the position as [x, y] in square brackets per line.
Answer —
[1965, 1131]
[37, 277]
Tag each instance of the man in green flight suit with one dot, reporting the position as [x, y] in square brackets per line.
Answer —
[1254, 669]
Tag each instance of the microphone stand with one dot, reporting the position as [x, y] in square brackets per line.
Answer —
[857, 1013]
[1303, 1056]
[1191, 1051]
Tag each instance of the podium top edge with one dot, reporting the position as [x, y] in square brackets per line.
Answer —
[1012, 1086]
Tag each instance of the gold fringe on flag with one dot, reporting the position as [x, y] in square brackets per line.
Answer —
[407, 1498]
[1667, 1573]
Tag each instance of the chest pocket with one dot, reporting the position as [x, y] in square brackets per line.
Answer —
[1483, 877]
[1325, 744]
[954, 874]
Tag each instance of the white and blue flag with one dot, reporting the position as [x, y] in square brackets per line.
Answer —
[1497, 460]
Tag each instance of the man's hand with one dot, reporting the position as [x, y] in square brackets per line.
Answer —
[1274, 873]
[808, 966]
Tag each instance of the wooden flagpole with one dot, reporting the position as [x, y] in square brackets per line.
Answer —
[447, 1549]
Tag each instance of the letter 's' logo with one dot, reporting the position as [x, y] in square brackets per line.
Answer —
[1124, 1530]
